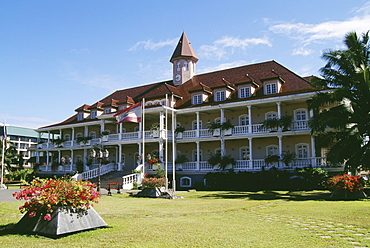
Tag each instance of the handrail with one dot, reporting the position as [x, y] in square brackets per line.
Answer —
[104, 169]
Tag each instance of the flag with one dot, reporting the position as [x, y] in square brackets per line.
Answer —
[130, 114]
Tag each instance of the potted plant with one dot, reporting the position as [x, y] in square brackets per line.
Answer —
[180, 160]
[221, 161]
[155, 131]
[48, 207]
[214, 128]
[58, 142]
[83, 140]
[104, 135]
[285, 122]
[271, 124]
[346, 187]
[287, 157]
[227, 127]
[271, 159]
[179, 131]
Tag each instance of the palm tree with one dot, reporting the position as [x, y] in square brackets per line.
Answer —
[342, 113]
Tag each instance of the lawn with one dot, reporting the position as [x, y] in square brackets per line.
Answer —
[213, 219]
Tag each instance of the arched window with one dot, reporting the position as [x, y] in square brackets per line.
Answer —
[92, 134]
[271, 115]
[244, 153]
[79, 135]
[197, 126]
[302, 150]
[186, 66]
[272, 150]
[67, 137]
[300, 115]
[243, 120]
[185, 182]
[194, 155]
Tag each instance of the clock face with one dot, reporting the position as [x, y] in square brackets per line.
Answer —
[178, 77]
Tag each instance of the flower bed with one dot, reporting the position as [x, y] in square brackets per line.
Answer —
[153, 182]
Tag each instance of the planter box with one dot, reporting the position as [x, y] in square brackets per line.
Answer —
[227, 132]
[179, 135]
[105, 138]
[64, 220]
[217, 132]
[155, 133]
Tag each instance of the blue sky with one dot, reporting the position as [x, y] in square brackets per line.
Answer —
[58, 55]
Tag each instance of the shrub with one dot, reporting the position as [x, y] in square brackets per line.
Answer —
[346, 182]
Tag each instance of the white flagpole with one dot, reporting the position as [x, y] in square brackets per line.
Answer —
[173, 150]
[166, 146]
[143, 133]
[2, 186]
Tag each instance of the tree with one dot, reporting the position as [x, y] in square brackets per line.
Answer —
[342, 113]
[11, 156]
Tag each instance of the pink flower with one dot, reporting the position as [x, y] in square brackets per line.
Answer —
[47, 217]
[31, 214]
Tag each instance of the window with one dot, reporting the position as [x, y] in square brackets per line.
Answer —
[271, 115]
[78, 158]
[79, 135]
[67, 137]
[197, 99]
[270, 88]
[197, 126]
[92, 134]
[194, 153]
[302, 150]
[272, 150]
[186, 66]
[220, 96]
[244, 92]
[243, 120]
[300, 114]
[178, 66]
[185, 182]
[244, 153]
[107, 110]
[80, 116]
[93, 115]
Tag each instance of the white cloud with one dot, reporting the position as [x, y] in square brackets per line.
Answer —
[311, 33]
[149, 45]
[227, 45]
[302, 51]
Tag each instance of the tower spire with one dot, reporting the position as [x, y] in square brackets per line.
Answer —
[183, 60]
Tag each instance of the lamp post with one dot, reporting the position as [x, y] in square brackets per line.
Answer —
[99, 153]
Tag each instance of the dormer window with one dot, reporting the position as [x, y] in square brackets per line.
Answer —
[197, 99]
[107, 111]
[93, 115]
[244, 92]
[270, 88]
[220, 95]
[80, 116]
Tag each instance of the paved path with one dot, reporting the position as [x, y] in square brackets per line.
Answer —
[6, 195]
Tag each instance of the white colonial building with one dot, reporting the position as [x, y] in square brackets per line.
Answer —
[244, 97]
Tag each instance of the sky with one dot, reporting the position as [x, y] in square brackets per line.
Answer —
[57, 55]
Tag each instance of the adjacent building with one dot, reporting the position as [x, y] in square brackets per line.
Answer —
[249, 113]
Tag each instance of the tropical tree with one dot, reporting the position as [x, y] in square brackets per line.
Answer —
[11, 156]
[342, 112]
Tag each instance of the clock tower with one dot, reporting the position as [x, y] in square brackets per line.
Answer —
[183, 60]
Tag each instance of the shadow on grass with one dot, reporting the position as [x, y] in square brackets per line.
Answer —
[273, 195]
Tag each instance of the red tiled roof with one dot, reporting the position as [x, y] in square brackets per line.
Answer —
[255, 73]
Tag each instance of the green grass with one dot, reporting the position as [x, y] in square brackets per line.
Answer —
[213, 219]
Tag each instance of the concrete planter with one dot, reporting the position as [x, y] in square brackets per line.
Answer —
[64, 220]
